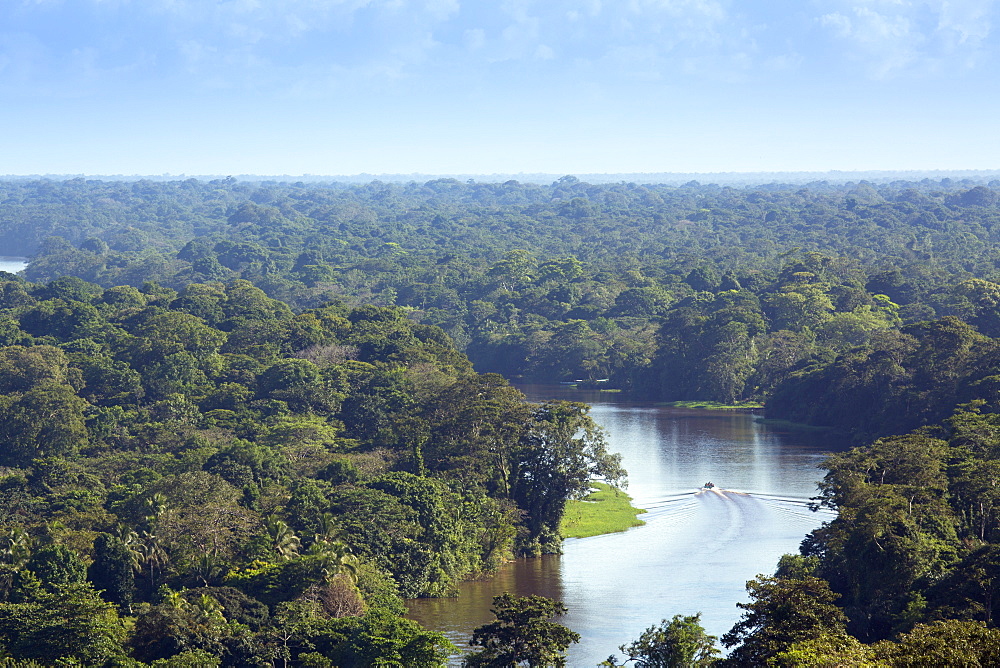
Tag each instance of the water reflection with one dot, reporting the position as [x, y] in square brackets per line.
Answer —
[12, 264]
[456, 617]
[697, 549]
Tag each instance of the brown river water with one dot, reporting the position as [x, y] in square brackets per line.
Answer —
[696, 550]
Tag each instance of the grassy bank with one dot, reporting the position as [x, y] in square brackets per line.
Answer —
[607, 509]
[715, 405]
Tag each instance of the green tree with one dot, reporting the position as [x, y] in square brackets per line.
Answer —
[15, 547]
[830, 650]
[781, 612]
[679, 643]
[278, 583]
[112, 571]
[523, 633]
[299, 383]
[203, 515]
[161, 334]
[513, 271]
[69, 622]
[56, 565]
[23, 368]
[379, 639]
[178, 625]
[46, 420]
[559, 452]
[943, 643]
[894, 531]
[284, 542]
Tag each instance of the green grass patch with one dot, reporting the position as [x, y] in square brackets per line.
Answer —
[715, 405]
[606, 509]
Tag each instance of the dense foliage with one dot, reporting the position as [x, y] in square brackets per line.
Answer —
[239, 422]
[679, 643]
[692, 292]
[205, 471]
[907, 573]
[523, 634]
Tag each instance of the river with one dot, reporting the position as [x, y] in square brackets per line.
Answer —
[697, 548]
[12, 264]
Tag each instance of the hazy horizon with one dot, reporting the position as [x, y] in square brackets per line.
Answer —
[649, 178]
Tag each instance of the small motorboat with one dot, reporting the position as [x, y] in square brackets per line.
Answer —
[709, 485]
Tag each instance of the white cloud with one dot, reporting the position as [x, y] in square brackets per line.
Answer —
[519, 39]
[261, 45]
[85, 65]
[840, 24]
[966, 24]
[712, 10]
[585, 10]
[243, 6]
[474, 39]
[892, 36]
[246, 33]
[517, 9]
[415, 50]
[195, 52]
[442, 9]
[296, 25]
[786, 62]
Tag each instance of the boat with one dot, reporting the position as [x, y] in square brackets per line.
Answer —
[709, 485]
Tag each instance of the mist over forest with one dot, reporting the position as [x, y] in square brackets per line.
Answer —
[969, 177]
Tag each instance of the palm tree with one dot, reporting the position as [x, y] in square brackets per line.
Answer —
[328, 529]
[157, 505]
[133, 543]
[209, 568]
[283, 540]
[154, 556]
[15, 547]
[175, 599]
[336, 558]
[210, 609]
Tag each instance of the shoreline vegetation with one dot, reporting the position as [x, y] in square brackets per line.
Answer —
[606, 509]
[715, 405]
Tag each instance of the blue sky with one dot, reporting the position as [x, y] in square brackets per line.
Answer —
[463, 86]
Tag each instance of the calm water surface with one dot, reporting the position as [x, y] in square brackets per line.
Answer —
[697, 549]
[12, 264]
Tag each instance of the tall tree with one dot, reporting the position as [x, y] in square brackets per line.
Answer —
[679, 643]
[782, 611]
[523, 633]
[561, 449]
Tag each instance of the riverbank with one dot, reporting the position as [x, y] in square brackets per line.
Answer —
[715, 405]
[606, 509]
[695, 552]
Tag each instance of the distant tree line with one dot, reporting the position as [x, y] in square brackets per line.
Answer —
[679, 292]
